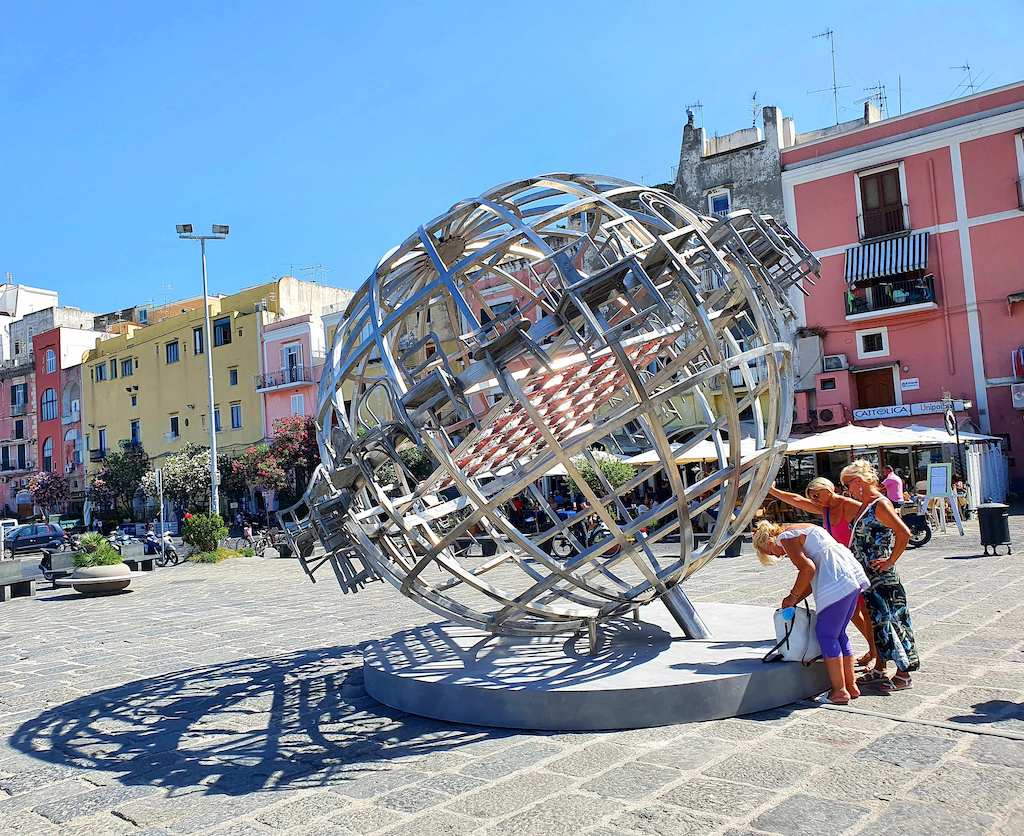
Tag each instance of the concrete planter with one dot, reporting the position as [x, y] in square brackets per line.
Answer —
[101, 580]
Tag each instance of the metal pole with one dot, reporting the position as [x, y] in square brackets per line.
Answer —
[214, 498]
[160, 501]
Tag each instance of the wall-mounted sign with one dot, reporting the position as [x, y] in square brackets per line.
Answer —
[904, 410]
[908, 383]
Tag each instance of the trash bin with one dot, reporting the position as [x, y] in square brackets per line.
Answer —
[994, 524]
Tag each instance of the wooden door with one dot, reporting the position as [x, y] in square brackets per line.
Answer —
[875, 388]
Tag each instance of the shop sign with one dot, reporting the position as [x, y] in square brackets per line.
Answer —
[909, 383]
[904, 410]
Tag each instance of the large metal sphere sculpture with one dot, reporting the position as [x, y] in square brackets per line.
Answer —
[525, 335]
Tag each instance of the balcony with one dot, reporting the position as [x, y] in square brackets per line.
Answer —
[889, 298]
[293, 375]
[19, 409]
[97, 455]
[886, 220]
[71, 417]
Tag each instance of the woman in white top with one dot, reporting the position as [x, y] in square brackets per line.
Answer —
[832, 573]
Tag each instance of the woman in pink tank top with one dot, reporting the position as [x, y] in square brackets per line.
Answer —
[838, 513]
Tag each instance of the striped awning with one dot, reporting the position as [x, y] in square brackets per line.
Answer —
[889, 257]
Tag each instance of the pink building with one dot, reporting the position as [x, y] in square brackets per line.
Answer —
[17, 437]
[919, 224]
[292, 358]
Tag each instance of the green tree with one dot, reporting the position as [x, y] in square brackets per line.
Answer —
[120, 477]
[49, 491]
[186, 477]
[616, 471]
[260, 469]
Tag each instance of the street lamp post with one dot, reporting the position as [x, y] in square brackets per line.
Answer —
[218, 233]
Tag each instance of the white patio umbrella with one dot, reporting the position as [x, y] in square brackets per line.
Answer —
[702, 451]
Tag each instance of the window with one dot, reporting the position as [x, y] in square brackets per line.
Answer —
[143, 316]
[216, 418]
[21, 457]
[174, 427]
[872, 343]
[136, 432]
[298, 404]
[236, 416]
[51, 361]
[135, 400]
[102, 439]
[171, 351]
[232, 377]
[720, 202]
[827, 384]
[48, 455]
[5, 458]
[73, 447]
[222, 331]
[19, 398]
[113, 369]
[127, 367]
[48, 405]
[19, 428]
[17, 346]
[881, 202]
[101, 371]
[197, 340]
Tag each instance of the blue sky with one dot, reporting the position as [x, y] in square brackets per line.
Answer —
[323, 133]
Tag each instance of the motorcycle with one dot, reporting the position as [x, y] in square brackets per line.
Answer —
[919, 524]
[169, 554]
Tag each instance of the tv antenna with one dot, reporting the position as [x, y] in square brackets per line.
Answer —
[753, 109]
[699, 107]
[836, 87]
[877, 91]
[968, 83]
[315, 272]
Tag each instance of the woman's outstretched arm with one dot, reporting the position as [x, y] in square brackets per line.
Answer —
[797, 501]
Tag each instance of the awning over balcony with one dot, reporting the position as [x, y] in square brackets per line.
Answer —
[889, 257]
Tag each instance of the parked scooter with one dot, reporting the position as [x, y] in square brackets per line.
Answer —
[169, 554]
[919, 524]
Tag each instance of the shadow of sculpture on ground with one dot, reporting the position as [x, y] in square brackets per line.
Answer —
[283, 722]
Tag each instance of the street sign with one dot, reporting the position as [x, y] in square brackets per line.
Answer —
[950, 419]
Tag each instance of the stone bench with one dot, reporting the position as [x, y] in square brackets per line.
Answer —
[17, 580]
[56, 565]
[134, 556]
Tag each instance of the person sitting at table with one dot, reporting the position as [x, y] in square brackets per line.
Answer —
[837, 513]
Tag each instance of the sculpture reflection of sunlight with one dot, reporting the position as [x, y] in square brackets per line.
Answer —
[521, 330]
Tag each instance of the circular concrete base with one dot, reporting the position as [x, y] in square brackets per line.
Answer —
[644, 673]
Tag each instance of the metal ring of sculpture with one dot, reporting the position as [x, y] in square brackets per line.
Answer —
[527, 334]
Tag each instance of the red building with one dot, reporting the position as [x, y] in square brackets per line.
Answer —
[57, 356]
[919, 224]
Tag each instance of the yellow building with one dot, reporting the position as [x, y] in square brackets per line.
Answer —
[149, 384]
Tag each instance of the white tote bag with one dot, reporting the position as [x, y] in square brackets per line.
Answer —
[795, 640]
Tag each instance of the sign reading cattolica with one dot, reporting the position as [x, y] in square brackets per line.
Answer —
[904, 410]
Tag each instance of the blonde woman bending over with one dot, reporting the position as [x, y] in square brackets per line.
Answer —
[830, 571]
[837, 512]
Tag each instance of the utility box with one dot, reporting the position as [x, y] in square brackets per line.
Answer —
[994, 523]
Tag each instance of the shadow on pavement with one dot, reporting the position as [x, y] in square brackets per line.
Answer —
[283, 722]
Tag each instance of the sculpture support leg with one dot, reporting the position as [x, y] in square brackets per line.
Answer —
[685, 615]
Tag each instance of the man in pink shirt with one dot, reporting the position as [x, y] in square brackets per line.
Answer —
[893, 486]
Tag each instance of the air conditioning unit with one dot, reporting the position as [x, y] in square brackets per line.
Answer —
[832, 415]
[835, 363]
[1017, 393]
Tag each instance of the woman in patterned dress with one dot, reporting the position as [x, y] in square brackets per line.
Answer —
[878, 541]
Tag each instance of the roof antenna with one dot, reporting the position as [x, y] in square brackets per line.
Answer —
[699, 107]
[836, 87]
[877, 91]
[969, 82]
[753, 110]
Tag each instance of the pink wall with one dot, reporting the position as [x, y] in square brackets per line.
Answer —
[996, 248]
[826, 211]
[990, 174]
[929, 179]
[277, 402]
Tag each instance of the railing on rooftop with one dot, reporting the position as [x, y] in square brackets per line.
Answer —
[888, 295]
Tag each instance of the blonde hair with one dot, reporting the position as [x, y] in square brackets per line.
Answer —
[862, 469]
[765, 533]
[819, 483]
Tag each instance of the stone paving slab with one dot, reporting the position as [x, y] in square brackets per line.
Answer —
[229, 699]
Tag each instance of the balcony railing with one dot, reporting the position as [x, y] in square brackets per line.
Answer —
[97, 455]
[888, 220]
[888, 295]
[71, 417]
[288, 377]
[19, 408]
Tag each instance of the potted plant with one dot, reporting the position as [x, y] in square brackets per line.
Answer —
[97, 560]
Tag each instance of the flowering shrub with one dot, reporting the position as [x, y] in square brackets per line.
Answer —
[203, 531]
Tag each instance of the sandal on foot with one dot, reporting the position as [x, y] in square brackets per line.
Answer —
[865, 661]
[872, 677]
[900, 682]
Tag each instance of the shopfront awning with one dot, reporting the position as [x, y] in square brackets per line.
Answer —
[890, 257]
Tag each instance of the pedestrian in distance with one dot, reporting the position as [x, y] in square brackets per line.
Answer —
[829, 571]
[837, 513]
[879, 539]
[892, 484]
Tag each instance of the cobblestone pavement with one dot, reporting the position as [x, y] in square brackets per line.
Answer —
[229, 699]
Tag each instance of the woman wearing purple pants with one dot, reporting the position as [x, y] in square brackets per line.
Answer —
[832, 573]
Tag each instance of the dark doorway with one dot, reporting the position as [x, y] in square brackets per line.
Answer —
[875, 388]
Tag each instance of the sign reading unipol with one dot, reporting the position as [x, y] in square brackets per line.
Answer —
[904, 410]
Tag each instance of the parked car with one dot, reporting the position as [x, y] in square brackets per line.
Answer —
[33, 538]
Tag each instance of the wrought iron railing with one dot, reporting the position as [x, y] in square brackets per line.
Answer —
[288, 376]
[888, 220]
[888, 295]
